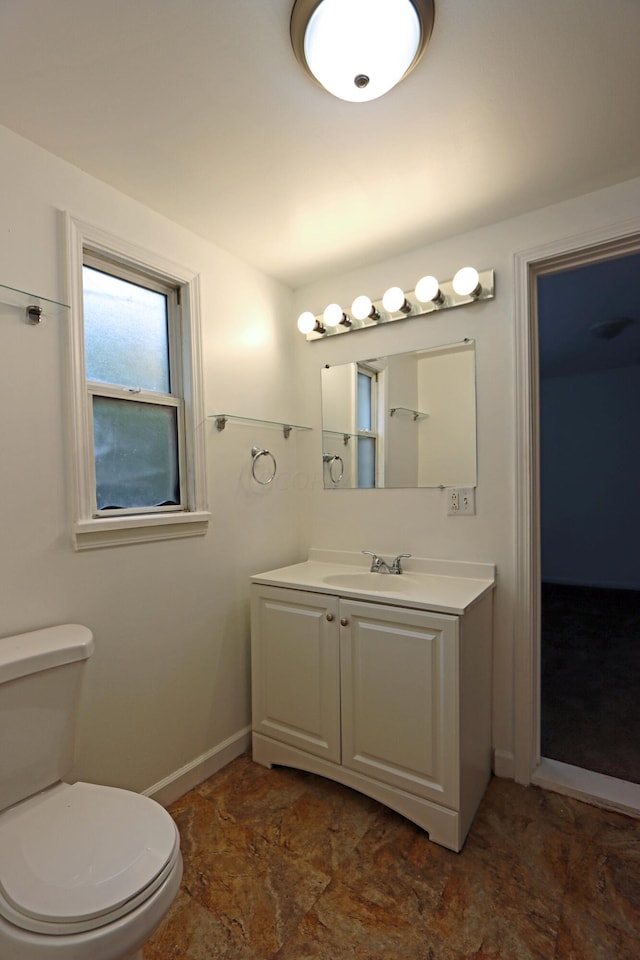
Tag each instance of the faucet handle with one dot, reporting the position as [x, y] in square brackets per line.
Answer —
[375, 560]
[396, 566]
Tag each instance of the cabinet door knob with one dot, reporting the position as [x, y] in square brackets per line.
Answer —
[343, 621]
[329, 617]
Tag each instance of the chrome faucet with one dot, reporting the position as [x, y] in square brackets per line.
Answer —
[378, 565]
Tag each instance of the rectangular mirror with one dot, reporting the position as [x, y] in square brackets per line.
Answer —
[406, 420]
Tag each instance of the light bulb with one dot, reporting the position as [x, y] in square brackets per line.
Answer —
[466, 282]
[333, 315]
[428, 290]
[395, 301]
[306, 322]
[362, 308]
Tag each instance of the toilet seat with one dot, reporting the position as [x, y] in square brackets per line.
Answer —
[79, 856]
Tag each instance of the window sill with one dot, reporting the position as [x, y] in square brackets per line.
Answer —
[113, 531]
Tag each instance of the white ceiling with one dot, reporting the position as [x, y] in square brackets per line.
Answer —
[198, 109]
[589, 318]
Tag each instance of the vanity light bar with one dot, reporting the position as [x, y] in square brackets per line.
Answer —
[467, 286]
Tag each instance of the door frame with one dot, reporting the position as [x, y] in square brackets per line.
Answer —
[563, 254]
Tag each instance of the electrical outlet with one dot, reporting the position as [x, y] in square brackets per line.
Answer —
[467, 500]
[461, 501]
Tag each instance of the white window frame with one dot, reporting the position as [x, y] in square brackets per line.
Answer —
[90, 529]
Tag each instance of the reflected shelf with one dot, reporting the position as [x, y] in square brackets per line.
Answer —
[407, 412]
[339, 433]
[36, 308]
[286, 427]
[345, 436]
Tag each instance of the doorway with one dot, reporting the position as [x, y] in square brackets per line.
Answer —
[588, 334]
[529, 762]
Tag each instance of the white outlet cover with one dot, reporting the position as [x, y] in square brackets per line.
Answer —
[461, 501]
[467, 500]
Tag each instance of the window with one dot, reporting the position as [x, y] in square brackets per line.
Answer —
[136, 404]
[137, 396]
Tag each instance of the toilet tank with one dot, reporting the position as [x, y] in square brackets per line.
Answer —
[40, 679]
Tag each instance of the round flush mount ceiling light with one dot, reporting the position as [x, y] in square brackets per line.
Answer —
[359, 49]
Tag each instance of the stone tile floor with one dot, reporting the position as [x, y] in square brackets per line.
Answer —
[284, 865]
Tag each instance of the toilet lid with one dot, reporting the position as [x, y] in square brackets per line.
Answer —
[79, 852]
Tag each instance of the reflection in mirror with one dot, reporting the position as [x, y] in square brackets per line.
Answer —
[406, 420]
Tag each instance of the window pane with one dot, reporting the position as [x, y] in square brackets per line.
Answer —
[364, 402]
[366, 462]
[136, 453]
[125, 328]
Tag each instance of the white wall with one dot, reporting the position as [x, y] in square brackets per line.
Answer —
[590, 463]
[415, 521]
[339, 421]
[447, 434]
[169, 680]
[401, 434]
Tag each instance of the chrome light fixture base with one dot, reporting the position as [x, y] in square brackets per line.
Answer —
[341, 47]
[446, 298]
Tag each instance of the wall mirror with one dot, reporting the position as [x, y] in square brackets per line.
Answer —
[405, 420]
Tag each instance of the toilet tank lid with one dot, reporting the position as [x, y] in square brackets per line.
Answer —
[27, 653]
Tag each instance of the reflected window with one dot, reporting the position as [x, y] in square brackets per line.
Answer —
[367, 440]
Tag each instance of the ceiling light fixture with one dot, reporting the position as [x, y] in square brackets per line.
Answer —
[359, 49]
[610, 329]
[430, 296]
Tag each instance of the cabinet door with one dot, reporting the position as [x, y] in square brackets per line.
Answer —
[400, 698]
[295, 668]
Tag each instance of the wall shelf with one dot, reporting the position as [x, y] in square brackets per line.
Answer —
[222, 418]
[35, 307]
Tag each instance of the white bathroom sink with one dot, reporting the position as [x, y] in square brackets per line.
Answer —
[446, 586]
[376, 582]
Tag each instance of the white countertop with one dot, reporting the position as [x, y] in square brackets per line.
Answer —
[445, 586]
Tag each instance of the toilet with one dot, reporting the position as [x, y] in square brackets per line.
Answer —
[87, 872]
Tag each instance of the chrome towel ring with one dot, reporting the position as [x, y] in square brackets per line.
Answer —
[256, 453]
[333, 460]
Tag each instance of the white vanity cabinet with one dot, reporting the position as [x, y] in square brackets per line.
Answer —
[388, 699]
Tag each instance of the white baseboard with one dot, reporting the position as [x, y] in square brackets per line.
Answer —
[582, 582]
[504, 764]
[186, 778]
[594, 788]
